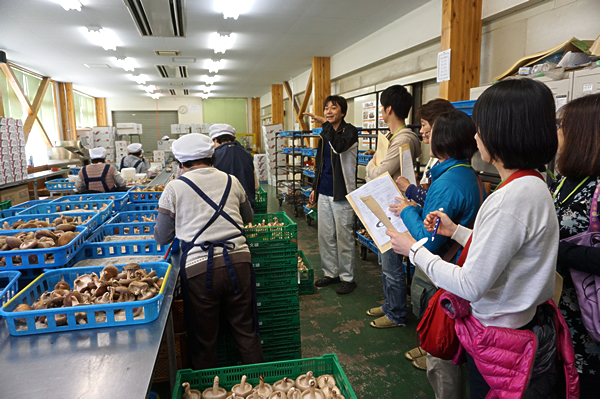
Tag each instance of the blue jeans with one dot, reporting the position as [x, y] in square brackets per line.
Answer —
[394, 286]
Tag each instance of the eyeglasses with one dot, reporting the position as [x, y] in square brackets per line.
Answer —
[558, 126]
[426, 135]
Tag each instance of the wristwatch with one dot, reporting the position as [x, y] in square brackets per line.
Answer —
[415, 247]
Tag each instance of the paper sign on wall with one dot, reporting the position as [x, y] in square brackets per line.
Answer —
[407, 169]
[194, 109]
[443, 66]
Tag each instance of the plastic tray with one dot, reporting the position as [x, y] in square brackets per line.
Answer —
[290, 133]
[60, 184]
[120, 198]
[465, 106]
[96, 248]
[9, 285]
[292, 150]
[312, 212]
[317, 131]
[5, 204]
[143, 196]
[94, 221]
[309, 152]
[133, 217]
[75, 170]
[6, 213]
[260, 201]
[37, 258]
[278, 296]
[81, 206]
[308, 172]
[274, 254]
[306, 278]
[140, 206]
[272, 372]
[262, 236]
[367, 243]
[364, 159]
[306, 191]
[29, 204]
[46, 282]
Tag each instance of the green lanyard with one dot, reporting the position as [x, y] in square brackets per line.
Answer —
[394, 135]
[461, 164]
[555, 194]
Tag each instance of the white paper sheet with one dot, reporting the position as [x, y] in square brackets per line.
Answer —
[443, 66]
[382, 148]
[407, 169]
[384, 191]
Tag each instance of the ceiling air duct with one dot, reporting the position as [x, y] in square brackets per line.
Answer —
[159, 18]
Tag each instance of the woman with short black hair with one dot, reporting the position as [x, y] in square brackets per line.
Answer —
[509, 255]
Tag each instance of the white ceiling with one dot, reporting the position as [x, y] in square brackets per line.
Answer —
[275, 41]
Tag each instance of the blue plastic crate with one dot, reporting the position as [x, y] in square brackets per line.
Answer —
[29, 204]
[309, 152]
[290, 133]
[311, 212]
[306, 191]
[60, 184]
[308, 172]
[140, 206]
[367, 243]
[364, 159]
[96, 248]
[465, 106]
[143, 196]
[6, 213]
[75, 170]
[317, 131]
[99, 315]
[120, 198]
[90, 220]
[9, 285]
[39, 258]
[104, 207]
[133, 216]
[291, 150]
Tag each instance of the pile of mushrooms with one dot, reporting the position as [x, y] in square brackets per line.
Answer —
[61, 223]
[112, 286]
[363, 232]
[158, 187]
[301, 265]
[264, 223]
[38, 239]
[369, 152]
[306, 386]
[84, 208]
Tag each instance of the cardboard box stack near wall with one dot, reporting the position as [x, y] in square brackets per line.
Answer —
[261, 167]
[120, 149]
[184, 128]
[13, 160]
[104, 136]
[17, 195]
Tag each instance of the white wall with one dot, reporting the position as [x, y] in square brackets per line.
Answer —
[149, 104]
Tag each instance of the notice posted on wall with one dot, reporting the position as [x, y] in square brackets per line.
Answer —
[443, 66]
[368, 115]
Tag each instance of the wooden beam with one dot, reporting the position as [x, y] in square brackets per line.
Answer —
[307, 94]
[64, 120]
[54, 87]
[297, 114]
[277, 104]
[44, 134]
[100, 111]
[1, 104]
[461, 33]
[256, 128]
[16, 86]
[72, 124]
[321, 83]
[35, 106]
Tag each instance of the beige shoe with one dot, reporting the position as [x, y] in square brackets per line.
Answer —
[376, 312]
[415, 353]
[384, 322]
[420, 363]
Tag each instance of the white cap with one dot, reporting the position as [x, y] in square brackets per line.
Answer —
[135, 147]
[219, 129]
[98, 153]
[165, 138]
[192, 146]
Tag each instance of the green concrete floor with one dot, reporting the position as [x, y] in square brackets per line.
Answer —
[372, 359]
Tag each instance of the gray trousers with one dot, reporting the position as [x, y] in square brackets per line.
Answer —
[448, 381]
[336, 238]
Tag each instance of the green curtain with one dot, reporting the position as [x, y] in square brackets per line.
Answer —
[232, 111]
[85, 110]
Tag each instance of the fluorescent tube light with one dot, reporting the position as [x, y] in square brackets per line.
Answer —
[126, 63]
[103, 37]
[148, 89]
[206, 89]
[155, 96]
[70, 4]
[232, 8]
[139, 79]
[213, 66]
[209, 80]
[205, 95]
[220, 42]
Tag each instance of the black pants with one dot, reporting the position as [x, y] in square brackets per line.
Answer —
[236, 309]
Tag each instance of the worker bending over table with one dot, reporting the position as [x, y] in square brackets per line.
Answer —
[135, 159]
[99, 177]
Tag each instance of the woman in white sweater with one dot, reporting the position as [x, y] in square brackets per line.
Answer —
[510, 266]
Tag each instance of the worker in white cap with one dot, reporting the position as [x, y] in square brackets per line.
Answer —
[232, 158]
[206, 210]
[135, 159]
[166, 138]
[99, 177]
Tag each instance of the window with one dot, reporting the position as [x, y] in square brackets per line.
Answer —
[85, 110]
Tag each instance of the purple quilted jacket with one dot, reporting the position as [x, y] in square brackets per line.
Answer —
[505, 356]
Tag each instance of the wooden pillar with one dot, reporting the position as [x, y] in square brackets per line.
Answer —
[461, 33]
[277, 104]
[72, 124]
[100, 111]
[321, 76]
[256, 130]
[1, 104]
[64, 120]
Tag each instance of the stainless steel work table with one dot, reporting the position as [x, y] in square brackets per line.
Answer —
[112, 362]
[161, 178]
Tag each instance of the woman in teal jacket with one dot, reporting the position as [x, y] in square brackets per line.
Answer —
[455, 188]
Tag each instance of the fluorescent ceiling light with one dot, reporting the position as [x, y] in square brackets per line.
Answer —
[220, 42]
[208, 79]
[126, 63]
[205, 95]
[155, 96]
[102, 37]
[148, 89]
[139, 79]
[70, 4]
[206, 89]
[213, 66]
[232, 8]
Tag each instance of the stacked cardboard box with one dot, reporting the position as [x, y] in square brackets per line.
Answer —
[104, 136]
[261, 167]
[185, 128]
[272, 146]
[129, 128]
[13, 160]
[158, 156]
[120, 149]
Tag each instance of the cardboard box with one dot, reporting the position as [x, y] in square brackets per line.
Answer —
[12, 122]
[139, 128]
[158, 153]
[196, 128]
[17, 195]
[126, 125]
[121, 144]
[176, 128]
[19, 122]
